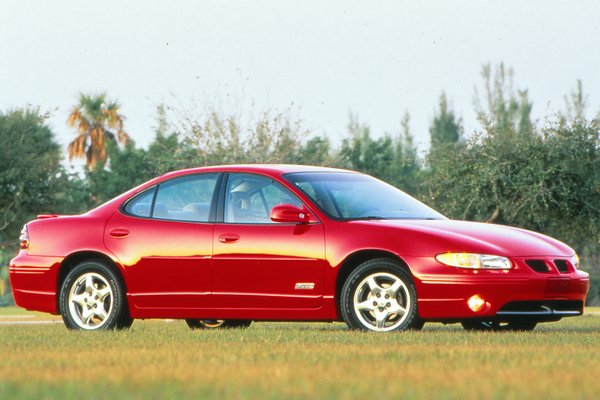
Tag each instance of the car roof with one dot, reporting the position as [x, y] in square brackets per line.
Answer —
[269, 169]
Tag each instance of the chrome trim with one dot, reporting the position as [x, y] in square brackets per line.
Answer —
[546, 311]
[304, 286]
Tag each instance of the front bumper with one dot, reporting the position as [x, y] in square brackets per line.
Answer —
[33, 280]
[443, 292]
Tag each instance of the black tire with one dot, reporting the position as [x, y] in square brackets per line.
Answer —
[380, 300]
[92, 297]
[125, 321]
[498, 326]
[217, 323]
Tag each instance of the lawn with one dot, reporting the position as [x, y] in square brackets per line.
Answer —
[159, 359]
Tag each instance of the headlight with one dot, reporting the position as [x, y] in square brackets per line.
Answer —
[474, 261]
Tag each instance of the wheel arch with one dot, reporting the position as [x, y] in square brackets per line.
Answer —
[352, 261]
[75, 258]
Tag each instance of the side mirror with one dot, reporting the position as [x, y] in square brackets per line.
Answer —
[290, 213]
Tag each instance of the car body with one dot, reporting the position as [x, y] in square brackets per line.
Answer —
[261, 242]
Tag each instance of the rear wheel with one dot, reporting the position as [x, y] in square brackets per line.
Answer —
[380, 295]
[217, 323]
[517, 325]
[92, 297]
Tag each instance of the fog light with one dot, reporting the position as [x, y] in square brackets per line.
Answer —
[476, 303]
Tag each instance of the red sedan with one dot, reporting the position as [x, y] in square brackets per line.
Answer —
[225, 246]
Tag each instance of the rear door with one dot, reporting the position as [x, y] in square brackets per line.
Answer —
[163, 237]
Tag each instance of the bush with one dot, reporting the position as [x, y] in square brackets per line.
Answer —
[5, 291]
[593, 298]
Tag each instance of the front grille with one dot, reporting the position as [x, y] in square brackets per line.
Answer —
[562, 266]
[538, 265]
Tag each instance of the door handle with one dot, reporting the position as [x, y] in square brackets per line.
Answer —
[229, 237]
[119, 233]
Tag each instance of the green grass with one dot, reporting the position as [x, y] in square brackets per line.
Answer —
[158, 359]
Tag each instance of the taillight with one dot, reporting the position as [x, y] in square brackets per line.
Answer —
[24, 238]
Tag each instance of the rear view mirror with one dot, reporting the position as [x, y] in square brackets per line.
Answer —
[290, 213]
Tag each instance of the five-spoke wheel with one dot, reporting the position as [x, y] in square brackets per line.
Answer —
[380, 295]
[92, 298]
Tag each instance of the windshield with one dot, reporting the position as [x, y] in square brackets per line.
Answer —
[351, 196]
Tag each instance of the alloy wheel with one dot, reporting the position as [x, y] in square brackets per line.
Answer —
[90, 301]
[381, 301]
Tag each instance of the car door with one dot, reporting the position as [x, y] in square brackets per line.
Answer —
[261, 264]
[163, 237]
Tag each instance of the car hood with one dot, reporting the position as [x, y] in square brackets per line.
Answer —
[464, 236]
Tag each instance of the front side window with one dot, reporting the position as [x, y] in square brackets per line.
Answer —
[185, 199]
[249, 199]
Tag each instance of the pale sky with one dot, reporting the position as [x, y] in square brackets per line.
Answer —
[328, 58]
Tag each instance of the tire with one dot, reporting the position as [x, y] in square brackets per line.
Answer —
[92, 297]
[498, 326]
[380, 295]
[125, 321]
[217, 323]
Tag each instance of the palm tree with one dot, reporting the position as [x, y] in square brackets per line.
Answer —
[97, 121]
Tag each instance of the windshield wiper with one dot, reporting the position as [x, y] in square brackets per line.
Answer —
[375, 217]
[368, 217]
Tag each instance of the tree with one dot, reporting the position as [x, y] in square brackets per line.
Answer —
[98, 122]
[317, 151]
[128, 167]
[359, 151]
[392, 159]
[272, 137]
[407, 168]
[29, 168]
[504, 113]
[445, 129]
[31, 179]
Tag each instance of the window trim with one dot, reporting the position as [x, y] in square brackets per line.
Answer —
[123, 207]
[220, 219]
[156, 187]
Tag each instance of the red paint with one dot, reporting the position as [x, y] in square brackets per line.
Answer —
[222, 270]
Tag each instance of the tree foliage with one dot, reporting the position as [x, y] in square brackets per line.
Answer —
[445, 129]
[29, 169]
[390, 158]
[98, 122]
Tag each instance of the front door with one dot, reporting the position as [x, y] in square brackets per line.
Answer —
[163, 238]
[261, 264]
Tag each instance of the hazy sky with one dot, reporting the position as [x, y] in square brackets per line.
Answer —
[377, 59]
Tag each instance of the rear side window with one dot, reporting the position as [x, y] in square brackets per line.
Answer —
[141, 206]
[185, 199]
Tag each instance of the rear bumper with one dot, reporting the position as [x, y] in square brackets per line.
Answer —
[33, 280]
[443, 292]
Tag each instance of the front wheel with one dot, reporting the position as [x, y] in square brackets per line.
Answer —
[217, 323]
[498, 326]
[93, 298]
[380, 295]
